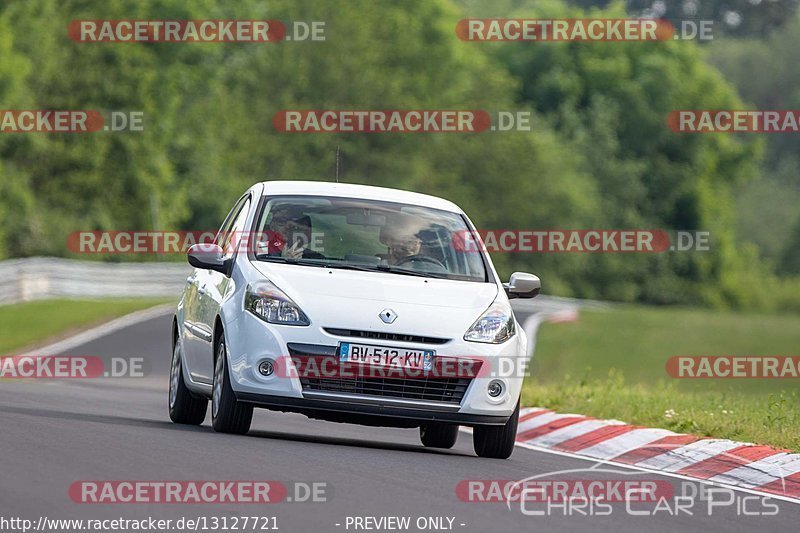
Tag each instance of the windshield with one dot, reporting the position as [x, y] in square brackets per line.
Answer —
[370, 235]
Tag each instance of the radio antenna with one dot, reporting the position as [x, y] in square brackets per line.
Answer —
[337, 163]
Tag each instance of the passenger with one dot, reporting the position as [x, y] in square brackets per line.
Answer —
[289, 234]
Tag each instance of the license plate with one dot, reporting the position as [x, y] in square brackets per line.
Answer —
[385, 356]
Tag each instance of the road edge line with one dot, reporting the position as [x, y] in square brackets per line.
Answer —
[100, 331]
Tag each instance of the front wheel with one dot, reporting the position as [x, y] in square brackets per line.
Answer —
[228, 415]
[496, 442]
[184, 407]
[438, 435]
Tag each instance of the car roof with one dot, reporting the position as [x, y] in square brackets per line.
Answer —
[351, 190]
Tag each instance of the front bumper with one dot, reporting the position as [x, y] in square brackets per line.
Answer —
[360, 410]
[251, 341]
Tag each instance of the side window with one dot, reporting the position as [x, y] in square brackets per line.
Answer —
[227, 223]
[233, 227]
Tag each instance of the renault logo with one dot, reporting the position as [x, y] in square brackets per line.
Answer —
[388, 316]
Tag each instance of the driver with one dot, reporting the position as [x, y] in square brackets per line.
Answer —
[400, 236]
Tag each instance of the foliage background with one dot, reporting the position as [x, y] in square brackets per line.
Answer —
[600, 155]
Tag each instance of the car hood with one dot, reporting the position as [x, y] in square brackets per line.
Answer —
[352, 299]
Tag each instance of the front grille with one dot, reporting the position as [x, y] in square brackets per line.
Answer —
[385, 336]
[450, 390]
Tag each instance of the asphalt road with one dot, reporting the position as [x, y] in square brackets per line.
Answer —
[56, 432]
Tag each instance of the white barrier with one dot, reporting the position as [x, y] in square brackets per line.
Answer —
[39, 278]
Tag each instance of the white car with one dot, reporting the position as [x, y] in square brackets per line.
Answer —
[353, 304]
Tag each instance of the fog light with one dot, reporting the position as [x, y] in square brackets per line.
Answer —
[495, 388]
[265, 368]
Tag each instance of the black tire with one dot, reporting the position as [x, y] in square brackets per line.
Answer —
[184, 407]
[496, 442]
[228, 415]
[438, 435]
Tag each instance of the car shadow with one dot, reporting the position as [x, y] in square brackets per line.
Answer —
[352, 442]
[327, 440]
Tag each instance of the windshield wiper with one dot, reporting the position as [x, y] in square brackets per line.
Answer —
[322, 263]
[408, 272]
[328, 263]
[333, 264]
[272, 258]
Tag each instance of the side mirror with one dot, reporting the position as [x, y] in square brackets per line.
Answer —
[523, 285]
[208, 256]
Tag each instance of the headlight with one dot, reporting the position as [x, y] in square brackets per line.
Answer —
[495, 325]
[271, 304]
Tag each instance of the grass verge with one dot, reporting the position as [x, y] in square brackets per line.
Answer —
[30, 323]
[610, 364]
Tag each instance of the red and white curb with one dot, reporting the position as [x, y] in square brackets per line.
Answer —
[750, 467]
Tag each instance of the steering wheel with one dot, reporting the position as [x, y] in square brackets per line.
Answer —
[421, 259]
